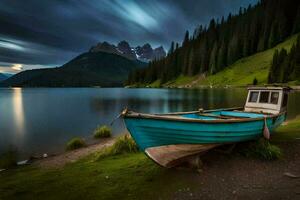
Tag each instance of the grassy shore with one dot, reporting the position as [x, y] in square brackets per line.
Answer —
[134, 176]
[127, 176]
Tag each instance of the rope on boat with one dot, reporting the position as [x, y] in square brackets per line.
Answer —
[122, 114]
[266, 131]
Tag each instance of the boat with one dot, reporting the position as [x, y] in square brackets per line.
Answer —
[170, 138]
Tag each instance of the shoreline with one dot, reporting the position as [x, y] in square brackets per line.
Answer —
[186, 86]
[295, 87]
[80, 174]
[61, 159]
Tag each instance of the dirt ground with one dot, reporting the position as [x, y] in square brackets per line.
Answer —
[236, 177]
[71, 156]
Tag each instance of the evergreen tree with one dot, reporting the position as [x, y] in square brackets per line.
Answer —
[186, 38]
[233, 50]
[275, 64]
[204, 56]
[296, 60]
[191, 63]
[254, 81]
[296, 26]
[186, 59]
[171, 50]
[221, 57]
[213, 59]
[282, 60]
[273, 37]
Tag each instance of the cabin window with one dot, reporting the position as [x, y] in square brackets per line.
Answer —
[264, 97]
[274, 97]
[285, 100]
[253, 96]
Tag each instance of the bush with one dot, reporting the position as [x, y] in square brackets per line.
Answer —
[255, 81]
[8, 159]
[123, 144]
[75, 143]
[102, 132]
[262, 149]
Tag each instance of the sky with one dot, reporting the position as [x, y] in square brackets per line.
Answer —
[48, 33]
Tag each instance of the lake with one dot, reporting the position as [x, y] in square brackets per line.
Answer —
[42, 120]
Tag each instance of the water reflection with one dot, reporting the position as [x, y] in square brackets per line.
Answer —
[18, 111]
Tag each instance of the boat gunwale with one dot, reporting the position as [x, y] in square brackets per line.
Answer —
[198, 111]
[170, 117]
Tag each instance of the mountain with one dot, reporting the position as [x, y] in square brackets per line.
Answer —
[88, 69]
[143, 53]
[212, 49]
[3, 77]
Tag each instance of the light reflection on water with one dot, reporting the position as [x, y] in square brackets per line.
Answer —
[38, 120]
[18, 111]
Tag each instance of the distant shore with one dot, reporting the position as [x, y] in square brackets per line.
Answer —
[293, 87]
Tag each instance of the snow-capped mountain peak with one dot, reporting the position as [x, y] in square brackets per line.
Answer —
[145, 53]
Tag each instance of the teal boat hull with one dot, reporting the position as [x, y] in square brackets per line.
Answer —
[153, 132]
[169, 139]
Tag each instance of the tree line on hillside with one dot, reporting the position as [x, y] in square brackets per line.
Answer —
[285, 66]
[210, 49]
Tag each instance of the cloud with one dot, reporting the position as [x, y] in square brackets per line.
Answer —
[16, 67]
[50, 33]
[133, 12]
[10, 45]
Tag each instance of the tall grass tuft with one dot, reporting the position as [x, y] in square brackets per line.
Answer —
[8, 159]
[102, 132]
[262, 149]
[123, 144]
[75, 143]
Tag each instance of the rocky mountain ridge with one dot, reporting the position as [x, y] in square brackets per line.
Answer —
[143, 53]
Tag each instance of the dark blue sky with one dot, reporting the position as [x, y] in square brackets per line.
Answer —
[48, 33]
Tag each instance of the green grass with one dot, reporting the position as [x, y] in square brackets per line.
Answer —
[261, 149]
[102, 132]
[127, 176]
[123, 144]
[75, 143]
[242, 72]
[287, 132]
[155, 84]
[181, 80]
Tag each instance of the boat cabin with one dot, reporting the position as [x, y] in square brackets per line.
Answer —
[271, 100]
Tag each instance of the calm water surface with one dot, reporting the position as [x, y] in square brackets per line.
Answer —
[36, 121]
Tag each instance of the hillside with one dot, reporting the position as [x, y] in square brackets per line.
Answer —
[88, 69]
[240, 73]
[223, 43]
